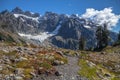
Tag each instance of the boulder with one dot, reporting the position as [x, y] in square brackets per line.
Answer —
[33, 74]
[56, 62]
[23, 58]
[107, 75]
[18, 71]
[103, 53]
[58, 73]
[6, 51]
[60, 53]
[1, 68]
[19, 48]
[18, 78]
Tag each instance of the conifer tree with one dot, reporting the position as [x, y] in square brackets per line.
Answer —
[102, 36]
[105, 36]
[99, 32]
[119, 36]
[82, 43]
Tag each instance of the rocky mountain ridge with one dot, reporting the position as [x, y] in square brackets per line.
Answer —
[59, 30]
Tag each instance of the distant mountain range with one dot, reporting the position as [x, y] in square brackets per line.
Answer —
[54, 29]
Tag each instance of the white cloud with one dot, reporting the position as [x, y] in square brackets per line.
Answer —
[103, 16]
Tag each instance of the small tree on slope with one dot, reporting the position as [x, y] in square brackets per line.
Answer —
[82, 43]
[102, 36]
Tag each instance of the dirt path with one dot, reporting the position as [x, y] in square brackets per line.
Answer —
[69, 71]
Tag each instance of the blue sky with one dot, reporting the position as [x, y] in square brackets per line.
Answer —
[62, 6]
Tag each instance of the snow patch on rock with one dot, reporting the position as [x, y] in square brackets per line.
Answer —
[33, 18]
[86, 26]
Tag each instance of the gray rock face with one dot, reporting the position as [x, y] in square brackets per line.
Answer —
[48, 22]
[70, 32]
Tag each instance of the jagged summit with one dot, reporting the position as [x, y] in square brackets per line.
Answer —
[17, 10]
[5, 12]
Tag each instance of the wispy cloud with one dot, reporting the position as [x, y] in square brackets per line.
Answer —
[103, 16]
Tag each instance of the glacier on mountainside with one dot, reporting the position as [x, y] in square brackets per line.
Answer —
[43, 36]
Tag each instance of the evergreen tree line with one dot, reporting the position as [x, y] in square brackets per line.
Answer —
[102, 37]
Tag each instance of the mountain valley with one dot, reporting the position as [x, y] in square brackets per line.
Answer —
[46, 47]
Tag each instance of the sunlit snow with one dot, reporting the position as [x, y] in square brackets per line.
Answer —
[86, 26]
[33, 18]
[43, 36]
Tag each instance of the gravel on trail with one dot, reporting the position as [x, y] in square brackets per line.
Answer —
[68, 71]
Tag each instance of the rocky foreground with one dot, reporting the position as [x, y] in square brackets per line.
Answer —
[45, 63]
[58, 69]
[67, 71]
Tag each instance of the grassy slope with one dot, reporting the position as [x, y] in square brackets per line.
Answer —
[95, 66]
